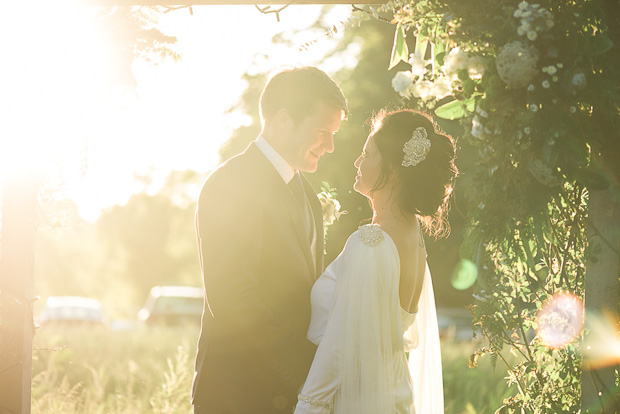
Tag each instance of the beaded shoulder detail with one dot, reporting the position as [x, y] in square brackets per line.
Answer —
[371, 234]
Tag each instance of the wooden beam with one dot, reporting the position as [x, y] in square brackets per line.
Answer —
[221, 2]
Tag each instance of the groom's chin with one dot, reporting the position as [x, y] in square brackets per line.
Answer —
[311, 166]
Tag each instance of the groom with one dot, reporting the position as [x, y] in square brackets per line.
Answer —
[260, 236]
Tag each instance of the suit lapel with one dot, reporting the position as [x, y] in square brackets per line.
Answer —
[317, 214]
[280, 188]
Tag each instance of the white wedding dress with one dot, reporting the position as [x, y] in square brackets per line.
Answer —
[373, 357]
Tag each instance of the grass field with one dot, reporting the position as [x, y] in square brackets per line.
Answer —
[93, 371]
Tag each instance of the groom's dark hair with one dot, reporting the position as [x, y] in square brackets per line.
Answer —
[299, 90]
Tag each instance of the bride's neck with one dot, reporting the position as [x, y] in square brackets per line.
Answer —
[387, 212]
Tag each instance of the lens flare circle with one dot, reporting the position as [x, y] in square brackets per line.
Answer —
[560, 320]
[464, 275]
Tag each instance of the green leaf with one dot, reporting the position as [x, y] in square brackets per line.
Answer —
[457, 109]
[591, 179]
[421, 44]
[400, 51]
[470, 245]
[597, 45]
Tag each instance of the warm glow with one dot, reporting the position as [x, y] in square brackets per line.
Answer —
[63, 116]
[50, 87]
[603, 341]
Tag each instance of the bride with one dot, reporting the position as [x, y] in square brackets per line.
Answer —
[373, 310]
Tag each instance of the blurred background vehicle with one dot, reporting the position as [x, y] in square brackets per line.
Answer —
[455, 324]
[172, 306]
[72, 310]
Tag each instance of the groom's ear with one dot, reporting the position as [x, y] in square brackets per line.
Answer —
[283, 120]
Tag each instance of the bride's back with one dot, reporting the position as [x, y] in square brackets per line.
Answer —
[412, 254]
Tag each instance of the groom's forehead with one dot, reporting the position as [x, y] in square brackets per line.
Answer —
[324, 116]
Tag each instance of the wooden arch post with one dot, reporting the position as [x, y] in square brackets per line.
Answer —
[19, 192]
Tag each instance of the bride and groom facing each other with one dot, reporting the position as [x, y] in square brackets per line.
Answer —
[281, 334]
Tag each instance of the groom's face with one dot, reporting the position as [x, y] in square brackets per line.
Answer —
[310, 138]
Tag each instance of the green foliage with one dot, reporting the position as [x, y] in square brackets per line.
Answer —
[536, 90]
[132, 34]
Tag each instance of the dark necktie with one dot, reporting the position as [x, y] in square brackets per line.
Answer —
[297, 188]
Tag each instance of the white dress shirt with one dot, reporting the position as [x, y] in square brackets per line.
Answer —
[284, 169]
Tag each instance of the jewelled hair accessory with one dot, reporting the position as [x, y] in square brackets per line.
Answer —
[417, 148]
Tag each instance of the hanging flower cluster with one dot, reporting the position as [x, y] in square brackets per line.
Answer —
[516, 64]
[419, 82]
[534, 20]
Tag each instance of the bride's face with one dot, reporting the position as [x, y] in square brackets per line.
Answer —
[368, 166]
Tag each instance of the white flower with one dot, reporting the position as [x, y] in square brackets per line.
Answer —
[517, 13]
[549, 23]
[477, 129]
[543, 173]
[579, 80]
[517, 64]
[520, 31]
[523, 5]
[530, 88]
[442, 87]
[573, 109]
[527, 130]
[532, 35]
[545, 84]
[482, 112]
[533, 107]
[402, 83]
[422, 89]
[418, 64]
[330, 205]
[455, 61]
[476, 67]
[551, 70]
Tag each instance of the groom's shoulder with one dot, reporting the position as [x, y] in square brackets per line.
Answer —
[234, 174]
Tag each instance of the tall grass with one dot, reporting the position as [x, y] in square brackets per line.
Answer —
[92, 371]
[100, 371]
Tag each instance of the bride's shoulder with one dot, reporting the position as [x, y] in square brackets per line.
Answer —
[367, 235]
[370, 234]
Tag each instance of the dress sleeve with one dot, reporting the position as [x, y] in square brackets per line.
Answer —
[352, 361]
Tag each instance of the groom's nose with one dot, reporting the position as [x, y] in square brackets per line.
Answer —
[328, 143]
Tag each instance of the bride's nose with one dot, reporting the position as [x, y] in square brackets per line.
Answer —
[357, 162]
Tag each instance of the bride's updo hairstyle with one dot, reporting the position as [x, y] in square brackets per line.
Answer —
[423, 189]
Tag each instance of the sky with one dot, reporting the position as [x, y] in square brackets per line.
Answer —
[60, 116]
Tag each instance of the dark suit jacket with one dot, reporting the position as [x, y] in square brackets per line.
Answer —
[258, 267]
